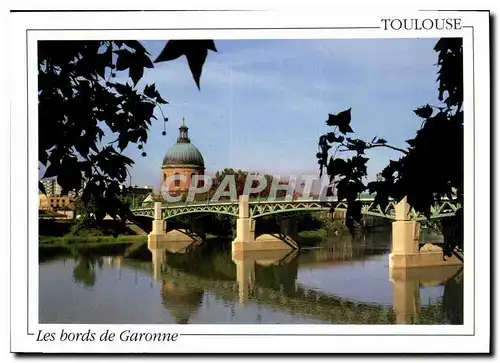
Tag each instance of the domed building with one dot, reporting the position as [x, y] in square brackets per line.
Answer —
[183, 158]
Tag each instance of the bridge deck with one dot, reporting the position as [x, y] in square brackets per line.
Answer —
[262, 207]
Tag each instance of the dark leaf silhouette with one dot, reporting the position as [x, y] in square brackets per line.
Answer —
[342, 120]
[357, 145]
[75, 98]
[429, 170]
[424, 111]
[195, 51]
[152, 92]
[41, 187]
[331, 137]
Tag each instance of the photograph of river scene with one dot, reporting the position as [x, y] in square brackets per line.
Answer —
[259, 181]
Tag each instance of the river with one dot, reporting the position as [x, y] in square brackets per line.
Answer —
[340, 280]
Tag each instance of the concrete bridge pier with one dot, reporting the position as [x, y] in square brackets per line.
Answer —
[406, 251]
[245, 234]
[159, 230]
[160, 236]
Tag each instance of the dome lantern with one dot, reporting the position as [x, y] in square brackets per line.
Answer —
[183, 152]
[183, 132]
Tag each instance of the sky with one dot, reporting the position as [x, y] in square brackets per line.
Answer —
[263, 103]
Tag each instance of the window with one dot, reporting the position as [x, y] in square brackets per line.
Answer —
[177, 179]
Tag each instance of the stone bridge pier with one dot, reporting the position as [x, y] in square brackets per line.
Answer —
[245, 240]
[159, 230]
[159, 235]
[406, 251]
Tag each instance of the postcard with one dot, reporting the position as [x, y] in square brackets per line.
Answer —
[289, 180]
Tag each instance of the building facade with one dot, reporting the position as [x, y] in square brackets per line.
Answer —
[54, 201]
[181, 163]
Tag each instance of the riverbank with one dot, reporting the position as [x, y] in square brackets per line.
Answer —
[57, 241]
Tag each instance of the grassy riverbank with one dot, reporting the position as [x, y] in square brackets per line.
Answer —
[315, 234]
[49, 241]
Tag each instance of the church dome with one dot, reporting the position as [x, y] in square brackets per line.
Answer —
[183, 152]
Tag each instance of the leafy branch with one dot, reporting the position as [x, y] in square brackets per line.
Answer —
[430, 169]
[78, 94]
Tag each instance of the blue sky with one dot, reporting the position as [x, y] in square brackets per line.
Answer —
[263, 103]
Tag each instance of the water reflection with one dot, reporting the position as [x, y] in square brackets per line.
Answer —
[246, 266]
[406, 285]
[271, 278]
[181, 300]
[343, 281]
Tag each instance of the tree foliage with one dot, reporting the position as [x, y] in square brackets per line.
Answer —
[79, 98]
[431, 166]
[240, 177]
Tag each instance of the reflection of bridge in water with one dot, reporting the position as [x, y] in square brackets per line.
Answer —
[269, 278]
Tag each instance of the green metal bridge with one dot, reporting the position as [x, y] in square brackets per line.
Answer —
[264, 207]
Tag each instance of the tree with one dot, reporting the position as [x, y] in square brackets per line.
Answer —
[240, 177]
[78, 98]
[431, 166]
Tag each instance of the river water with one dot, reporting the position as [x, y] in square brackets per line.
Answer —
[340, 280]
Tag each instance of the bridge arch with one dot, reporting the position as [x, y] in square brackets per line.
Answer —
[211, 211]
[259, 209]
[291, 210]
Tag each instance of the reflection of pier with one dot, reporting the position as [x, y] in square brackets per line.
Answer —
[269, 278]
[406, 288]
[158, 252]
[245, 268]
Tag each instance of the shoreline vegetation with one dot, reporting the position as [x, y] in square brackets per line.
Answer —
[313, 228]
[61, 241]
[67, 240]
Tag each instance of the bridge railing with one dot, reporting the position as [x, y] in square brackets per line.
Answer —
[444, 209]
[255, 200]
